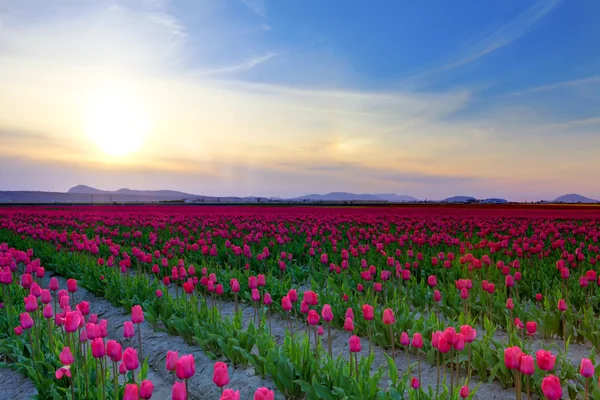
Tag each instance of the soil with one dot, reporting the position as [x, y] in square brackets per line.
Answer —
[15, 386]
[155, 346]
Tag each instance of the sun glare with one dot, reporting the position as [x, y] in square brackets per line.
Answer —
[116, 122]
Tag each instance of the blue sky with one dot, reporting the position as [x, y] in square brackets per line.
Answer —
[281, 98]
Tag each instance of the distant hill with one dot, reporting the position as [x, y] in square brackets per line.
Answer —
[394, 198]
[87, 194]
[574, 198]
[172, 194]
[494, 200]
[345, 196]
[83, 189]
[460, 199]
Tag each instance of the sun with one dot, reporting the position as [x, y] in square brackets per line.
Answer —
[116, 122]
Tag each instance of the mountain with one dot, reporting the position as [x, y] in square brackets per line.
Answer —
[574, 198]
[171, 194]
[460, 199]
[83, 189]
[345, 196]
[339, 196]
[494, 200]
[394, 198]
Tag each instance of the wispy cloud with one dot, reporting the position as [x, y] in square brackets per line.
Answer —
[245, 136]
[570, 84]
[244, 66]
[258, 6]
[508, 33]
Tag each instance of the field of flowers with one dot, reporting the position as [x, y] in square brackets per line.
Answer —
[178, 302]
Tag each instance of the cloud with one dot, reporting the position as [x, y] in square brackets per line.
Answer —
[506, 34]
[258, 6]
[246, 65]
[220, 133]
[570, 84]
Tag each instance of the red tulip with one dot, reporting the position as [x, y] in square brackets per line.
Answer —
[404, 339]
[435, 339]
[130, 359]
[171, 361]
[437, 296]
[432, 281]
[178, 392]
[450, 335]
[551, 387]
[545, 360]
[128, 330]
[469, 333]
[519, 324]
[539, 297]
[266, 299]
[459, 342]
[114, 351]
[326, 313]
[509, 304]
[188, 287]
[71, 285]
[286, 303]
[368, 312]
[66, 358]
[72, 321]
[350, 313]
[264, 394]
[62, 371]
[355, 345]
[511, 357]
[313, 317]
[137, 315]
[531, 327]
[131, 392]
[562, 305]
[185, 368]
[443, 346]
[229, 394]
[293, 295]
[26, 320]
[527, 366]
[98, 349]
[252, 282]
[388, 316]
[53, 284]
[414, 383]
[84, 308]
[464, 392]
[48, 313]
[31, 303]
[586, 368]
[146, 389]
[417, 341]
[349, 325]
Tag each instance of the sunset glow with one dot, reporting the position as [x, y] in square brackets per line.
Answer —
[235, 101]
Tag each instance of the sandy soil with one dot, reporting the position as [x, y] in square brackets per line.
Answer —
[14, 385]
[155, 346]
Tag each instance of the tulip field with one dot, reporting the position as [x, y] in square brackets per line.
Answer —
[258, 302]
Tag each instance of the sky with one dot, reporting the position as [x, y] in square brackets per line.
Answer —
[432, 98]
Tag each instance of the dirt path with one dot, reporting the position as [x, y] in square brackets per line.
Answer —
[155, 346]
[487, 391]
[15, 386]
